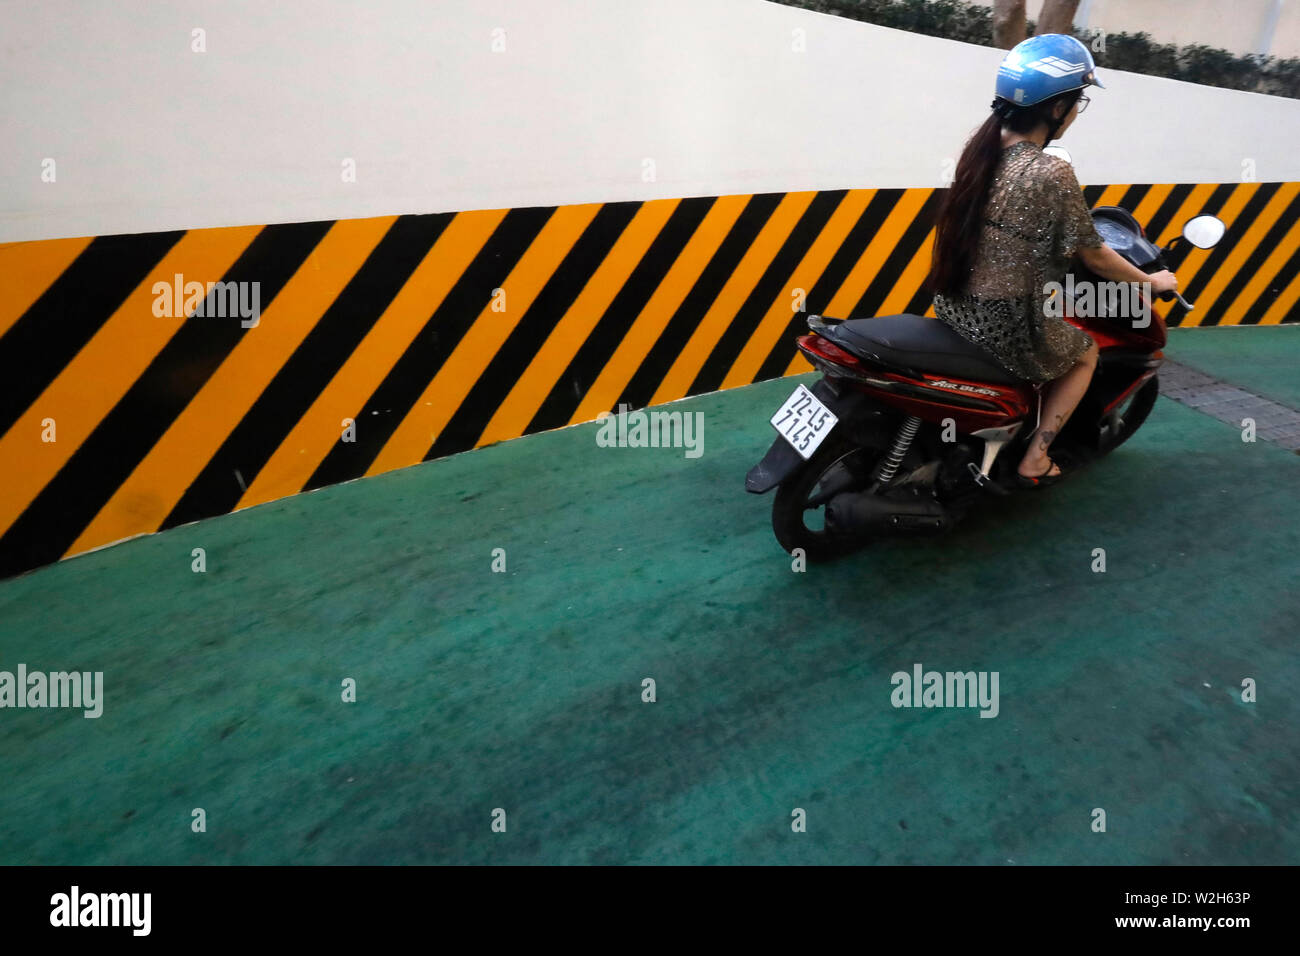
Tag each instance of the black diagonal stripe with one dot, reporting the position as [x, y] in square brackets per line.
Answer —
[1241, 225]
[411, 374]
[1133, 196]
[677, 332]
[1276, 286]
[897, 261]
[592, 356]
[95, 471]
[1254, 262]
[837, 270]
[37, 347]
[1214, 204]
[466, 424]
[770, 285]
[311, 367]
[919, 302]
[1176, 256]
[1092, 193]
[1173, 202]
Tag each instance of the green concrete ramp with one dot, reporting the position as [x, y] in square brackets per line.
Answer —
[522, 690]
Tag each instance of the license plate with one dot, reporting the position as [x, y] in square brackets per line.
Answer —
[803, 421]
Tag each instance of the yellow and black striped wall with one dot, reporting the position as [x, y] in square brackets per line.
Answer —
[444, 332]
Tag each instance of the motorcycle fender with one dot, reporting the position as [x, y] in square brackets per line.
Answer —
[777, 465]
[781, 460]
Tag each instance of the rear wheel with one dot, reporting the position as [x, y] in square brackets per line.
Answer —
[1127, 417]
[799, 511]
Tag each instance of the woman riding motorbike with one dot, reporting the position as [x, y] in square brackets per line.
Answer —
[1011, 222]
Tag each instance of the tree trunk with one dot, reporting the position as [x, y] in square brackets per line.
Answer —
[1008, 23]
[1057, 17]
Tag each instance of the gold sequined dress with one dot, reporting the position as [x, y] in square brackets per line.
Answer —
[1034, 221]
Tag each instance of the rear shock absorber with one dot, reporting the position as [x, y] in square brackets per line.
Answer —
[888, 466]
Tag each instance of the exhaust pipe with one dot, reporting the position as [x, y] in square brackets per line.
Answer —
[861, 512]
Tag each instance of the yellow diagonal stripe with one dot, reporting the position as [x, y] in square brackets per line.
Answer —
[805, 276]
[873, 258]
[868, 266]
[798, 365]
[737, 288]
[439, 401]
[1111, 195]
[909, 283]
[1152, 202]
[1197, 258]
[1243, 250]
[668, 296]
[1283, 304]
[27, 269]
[1268, 271]
[321, 427]
[160, 479]
[1191, 206]
[571, 331]
[102, 372]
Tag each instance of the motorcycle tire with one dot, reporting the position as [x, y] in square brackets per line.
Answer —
[789, 510]
[1132, 414]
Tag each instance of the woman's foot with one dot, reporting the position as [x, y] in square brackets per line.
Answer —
[1043, 467]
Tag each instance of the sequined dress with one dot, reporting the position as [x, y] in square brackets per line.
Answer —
[1034, 221]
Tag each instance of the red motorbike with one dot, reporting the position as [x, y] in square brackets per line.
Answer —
[911, 424]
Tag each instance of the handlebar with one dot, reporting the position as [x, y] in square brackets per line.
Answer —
[1163, 264]
[1166, 296]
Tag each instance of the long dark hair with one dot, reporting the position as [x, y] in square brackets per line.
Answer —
[957, 226]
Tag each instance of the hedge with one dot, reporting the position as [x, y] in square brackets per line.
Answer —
[1135, 52]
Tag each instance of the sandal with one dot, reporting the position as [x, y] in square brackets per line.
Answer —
[1041, 481]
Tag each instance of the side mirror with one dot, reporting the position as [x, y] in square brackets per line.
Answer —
[1059, 151]
[1204, 232]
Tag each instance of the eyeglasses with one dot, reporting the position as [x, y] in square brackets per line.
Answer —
[1083, 102]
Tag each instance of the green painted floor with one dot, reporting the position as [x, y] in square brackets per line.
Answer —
[1261, 359]
[522, 690]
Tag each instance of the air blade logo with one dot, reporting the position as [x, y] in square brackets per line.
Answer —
[1055, 66]
[944, 383]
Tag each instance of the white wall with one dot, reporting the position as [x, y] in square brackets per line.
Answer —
[148, 135]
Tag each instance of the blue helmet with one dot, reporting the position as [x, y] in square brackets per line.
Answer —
[1043, 66]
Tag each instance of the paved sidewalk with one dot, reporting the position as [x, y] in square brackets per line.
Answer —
[1235, 406]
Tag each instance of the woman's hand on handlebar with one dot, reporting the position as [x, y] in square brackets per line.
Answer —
[1163, 282]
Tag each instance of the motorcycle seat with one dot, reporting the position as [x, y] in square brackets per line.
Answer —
[922, 343]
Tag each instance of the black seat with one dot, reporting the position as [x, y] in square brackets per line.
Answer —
[921, 343]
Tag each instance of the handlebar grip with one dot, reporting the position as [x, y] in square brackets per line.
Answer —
[1166, 296]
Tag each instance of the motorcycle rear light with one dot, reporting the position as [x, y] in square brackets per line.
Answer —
[831, 361]
[824, 349]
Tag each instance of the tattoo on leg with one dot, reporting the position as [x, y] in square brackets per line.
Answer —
[1046, 436]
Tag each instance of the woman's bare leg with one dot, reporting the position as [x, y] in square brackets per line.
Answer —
[1062, 397]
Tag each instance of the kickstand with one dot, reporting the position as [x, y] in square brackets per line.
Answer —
[988, 484]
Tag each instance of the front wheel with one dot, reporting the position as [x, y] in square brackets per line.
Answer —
[1127, 417]
[799, 511]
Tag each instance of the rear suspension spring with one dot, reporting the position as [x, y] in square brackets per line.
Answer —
[888, 466]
